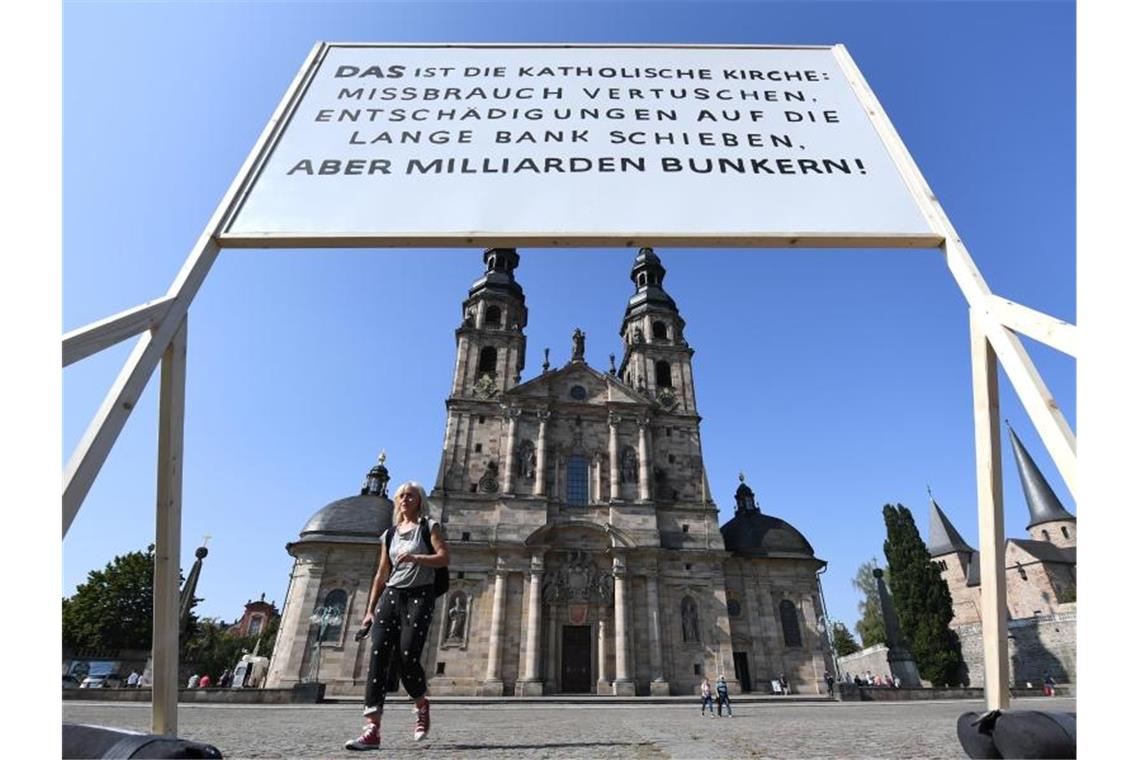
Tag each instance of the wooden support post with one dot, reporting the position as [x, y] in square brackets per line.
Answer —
[991, 522]
[168, 537]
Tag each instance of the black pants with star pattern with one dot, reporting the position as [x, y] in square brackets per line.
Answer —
[399, 629]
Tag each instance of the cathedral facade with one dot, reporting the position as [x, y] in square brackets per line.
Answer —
[586, 552]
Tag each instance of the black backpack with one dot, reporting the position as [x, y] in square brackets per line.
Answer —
[442, 576]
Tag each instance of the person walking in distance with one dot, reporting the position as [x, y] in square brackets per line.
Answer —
[722, 700]
[400, 606]
[706, 698]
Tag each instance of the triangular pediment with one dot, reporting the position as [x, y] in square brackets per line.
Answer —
[577, 383]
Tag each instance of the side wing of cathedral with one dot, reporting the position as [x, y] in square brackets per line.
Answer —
[586, 553]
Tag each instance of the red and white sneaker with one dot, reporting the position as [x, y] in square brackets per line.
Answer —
[369, 739]
[423, 721]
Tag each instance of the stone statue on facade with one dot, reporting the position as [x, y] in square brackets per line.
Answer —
[457, 616]
[579, 346]
[629, 466]
[690, 630]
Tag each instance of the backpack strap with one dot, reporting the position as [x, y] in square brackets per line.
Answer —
[425, 527]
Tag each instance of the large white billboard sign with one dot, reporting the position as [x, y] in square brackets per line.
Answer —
[558, 145]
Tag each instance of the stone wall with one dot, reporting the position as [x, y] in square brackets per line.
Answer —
[872, 658]
[1038, 644]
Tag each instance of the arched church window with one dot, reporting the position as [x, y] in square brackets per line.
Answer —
[254, 625]
[690, 625]
[664, 374]
[337, 598]
[660, 331]
[791, 624]
[488, 358]
[577, 481]
[493, 317]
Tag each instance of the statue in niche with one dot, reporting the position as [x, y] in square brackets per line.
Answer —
[457, 616]
[527, 462]
[638, 335]
[628, 465]
[690, 630]
[469, 317]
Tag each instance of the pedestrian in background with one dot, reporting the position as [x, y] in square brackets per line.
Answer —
[706, 697]
[722, 696]
[830, 681]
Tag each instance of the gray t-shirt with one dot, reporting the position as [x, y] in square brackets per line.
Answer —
[409, 574]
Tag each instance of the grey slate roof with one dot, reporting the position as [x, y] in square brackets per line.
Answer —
[1047, 552]
[355, 518]
[1039, 497]
[943, 538]
[753, 534]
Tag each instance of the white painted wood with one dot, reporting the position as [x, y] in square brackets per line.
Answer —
[1053, 332]
[168, 536]
[991, 524]
[93, 338]
[93, 448]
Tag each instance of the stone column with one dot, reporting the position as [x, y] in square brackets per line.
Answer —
[508, 455]
[643, 459]
[493, 683]
[623, 683]
[531, 683]
[603, 681]
[540, 455]
[658, 686]
[615, 479]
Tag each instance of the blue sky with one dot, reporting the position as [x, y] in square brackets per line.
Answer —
[836, 380]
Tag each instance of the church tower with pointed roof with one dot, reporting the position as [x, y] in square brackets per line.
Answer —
[958, 562]
[1048, 520]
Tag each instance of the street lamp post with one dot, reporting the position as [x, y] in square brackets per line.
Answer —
[324, 618]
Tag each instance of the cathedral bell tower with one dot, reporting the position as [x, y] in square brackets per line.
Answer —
[490, 344]
[657, 360]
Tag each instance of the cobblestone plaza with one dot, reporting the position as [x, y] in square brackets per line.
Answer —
[672, 729]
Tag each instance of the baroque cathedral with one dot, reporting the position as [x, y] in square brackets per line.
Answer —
[586, 554]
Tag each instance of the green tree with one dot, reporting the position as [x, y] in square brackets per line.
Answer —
[844, 641]
[114, 608]
[213, 648]
[870, 625]
[922, 600]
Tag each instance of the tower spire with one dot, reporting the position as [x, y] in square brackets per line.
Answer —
[1044, 506]
[943, 538]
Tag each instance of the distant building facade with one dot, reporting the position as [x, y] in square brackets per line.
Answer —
[256, 617]
[1040, 578]
[586, 555]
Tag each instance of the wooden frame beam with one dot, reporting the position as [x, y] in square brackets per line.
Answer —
[168, 537]
[93, 338]
[991, 515]
[1053, 332]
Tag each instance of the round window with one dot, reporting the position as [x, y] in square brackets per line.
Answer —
[578, 393]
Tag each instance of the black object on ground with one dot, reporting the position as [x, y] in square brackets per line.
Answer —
[81, 741]
[1018, 733]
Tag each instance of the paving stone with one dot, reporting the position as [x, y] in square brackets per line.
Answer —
[757, 730]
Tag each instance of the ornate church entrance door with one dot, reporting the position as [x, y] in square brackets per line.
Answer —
[575, 659]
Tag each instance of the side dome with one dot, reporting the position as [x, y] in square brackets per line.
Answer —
[355, 518]
[752, 534]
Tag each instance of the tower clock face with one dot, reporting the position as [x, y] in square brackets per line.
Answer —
[578, 393]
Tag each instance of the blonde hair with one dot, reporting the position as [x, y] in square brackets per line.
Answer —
[411, 485]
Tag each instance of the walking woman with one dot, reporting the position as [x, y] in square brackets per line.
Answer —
[400, 607]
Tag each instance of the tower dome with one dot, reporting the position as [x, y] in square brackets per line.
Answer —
[354, 518]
